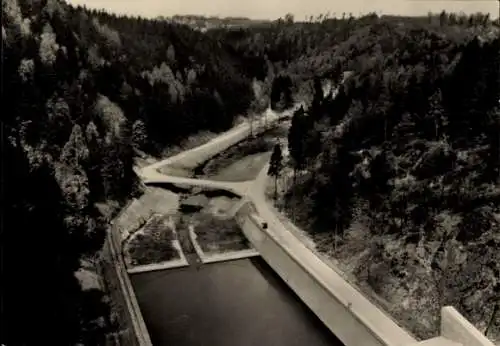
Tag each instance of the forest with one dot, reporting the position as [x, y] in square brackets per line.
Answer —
[406, 156]
[82, 91]
[397, 176]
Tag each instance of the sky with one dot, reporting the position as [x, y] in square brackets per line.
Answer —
[273, 9]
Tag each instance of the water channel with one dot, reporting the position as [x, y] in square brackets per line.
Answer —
[234, 303]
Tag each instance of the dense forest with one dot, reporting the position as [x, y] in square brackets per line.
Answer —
[82, 91]
[407, 153]
[397, 176]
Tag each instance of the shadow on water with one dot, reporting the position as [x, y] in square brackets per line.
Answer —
[240, 302]
[212, 193]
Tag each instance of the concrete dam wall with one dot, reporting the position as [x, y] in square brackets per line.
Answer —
[335, 313]
[344, 310]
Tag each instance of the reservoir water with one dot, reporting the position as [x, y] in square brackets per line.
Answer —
[235, 303]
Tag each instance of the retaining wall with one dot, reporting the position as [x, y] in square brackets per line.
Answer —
[132, 329]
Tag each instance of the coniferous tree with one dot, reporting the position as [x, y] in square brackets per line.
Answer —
[296, 140]
[275, 167]
[316, 109]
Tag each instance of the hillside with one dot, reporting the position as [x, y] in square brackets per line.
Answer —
[325, 48]
[397, 178]
[81, 92]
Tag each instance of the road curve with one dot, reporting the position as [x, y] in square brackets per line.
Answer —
[220, 143]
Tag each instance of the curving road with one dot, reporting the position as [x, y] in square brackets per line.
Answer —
[200, 154]
[254, 191]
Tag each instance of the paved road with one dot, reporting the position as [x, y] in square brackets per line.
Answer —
[218, 144]
[150, 174]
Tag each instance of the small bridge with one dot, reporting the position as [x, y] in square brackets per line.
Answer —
[156, 178]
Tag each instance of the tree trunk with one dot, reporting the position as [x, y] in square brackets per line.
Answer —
[498, 163]
[276, 188]
[251, 126]
[385, 129]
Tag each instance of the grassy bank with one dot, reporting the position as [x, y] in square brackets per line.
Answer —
[217, 235]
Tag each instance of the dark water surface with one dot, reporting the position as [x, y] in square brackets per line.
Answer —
[236, 303]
